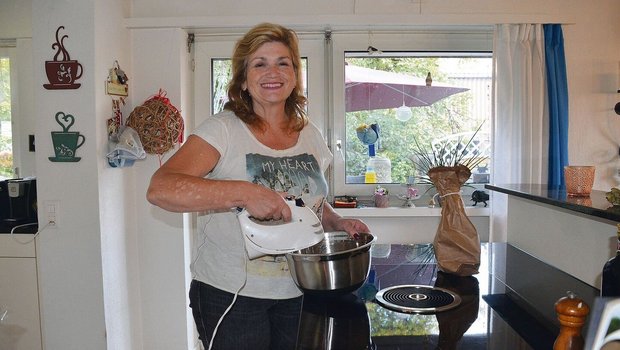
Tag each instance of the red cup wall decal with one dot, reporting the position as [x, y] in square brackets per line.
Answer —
[62, 71]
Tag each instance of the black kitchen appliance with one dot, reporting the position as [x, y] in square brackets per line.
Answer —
[18, 202]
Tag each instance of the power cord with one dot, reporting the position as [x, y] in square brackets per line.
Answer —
[245, 272]
[33, 237]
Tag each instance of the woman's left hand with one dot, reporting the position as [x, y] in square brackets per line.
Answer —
[351, 226]
[334, 222]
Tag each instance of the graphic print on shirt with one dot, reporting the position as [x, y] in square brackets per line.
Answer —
[299, 175]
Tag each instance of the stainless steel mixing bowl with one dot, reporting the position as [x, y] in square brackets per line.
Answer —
[337, 265]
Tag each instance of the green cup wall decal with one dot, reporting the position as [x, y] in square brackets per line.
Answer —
[66, 142]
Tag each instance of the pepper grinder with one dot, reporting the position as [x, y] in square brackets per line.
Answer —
[572, 313]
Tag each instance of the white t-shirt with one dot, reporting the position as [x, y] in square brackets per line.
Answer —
[219, 255]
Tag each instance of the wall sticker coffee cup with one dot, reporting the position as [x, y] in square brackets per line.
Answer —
[62, 71]
[66, 142]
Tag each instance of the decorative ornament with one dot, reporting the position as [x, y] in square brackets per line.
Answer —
[403, 113]
[66, 142]
[369, 135]
[116, 121]
[117, 81]
[366, 134]
[159, 124]
[62, 72]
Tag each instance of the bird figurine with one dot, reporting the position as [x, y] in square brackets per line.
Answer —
[429, 79]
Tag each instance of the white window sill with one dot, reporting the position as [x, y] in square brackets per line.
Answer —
[471, 211]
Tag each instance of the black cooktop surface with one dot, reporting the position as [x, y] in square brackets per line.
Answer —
[502, 307]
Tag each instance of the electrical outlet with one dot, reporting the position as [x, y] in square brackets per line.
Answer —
[51, 211]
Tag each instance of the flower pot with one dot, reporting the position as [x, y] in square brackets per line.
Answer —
[382, 200]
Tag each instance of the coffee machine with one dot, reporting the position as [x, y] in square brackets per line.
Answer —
[18, 202]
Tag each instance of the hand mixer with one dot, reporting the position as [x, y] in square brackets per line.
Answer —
[275, 237]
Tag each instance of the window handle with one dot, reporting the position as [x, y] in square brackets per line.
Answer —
[339, 148]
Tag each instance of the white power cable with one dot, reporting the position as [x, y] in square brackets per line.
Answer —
[245, 271]
[33, 237]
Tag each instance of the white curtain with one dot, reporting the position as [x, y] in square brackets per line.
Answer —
[520, 130]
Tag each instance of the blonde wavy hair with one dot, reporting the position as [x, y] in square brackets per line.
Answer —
[239, 101]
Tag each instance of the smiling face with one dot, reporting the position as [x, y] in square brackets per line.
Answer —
[270, 76]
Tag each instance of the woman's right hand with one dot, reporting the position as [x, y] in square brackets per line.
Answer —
[265, 204]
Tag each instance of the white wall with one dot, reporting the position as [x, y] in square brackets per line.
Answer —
[103, 214]
[118, 198]
[163, 63]
[593, 58]
[69, 256]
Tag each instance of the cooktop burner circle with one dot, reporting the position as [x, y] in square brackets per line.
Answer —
[417, 299]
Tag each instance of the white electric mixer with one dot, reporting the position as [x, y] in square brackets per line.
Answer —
[276, 237]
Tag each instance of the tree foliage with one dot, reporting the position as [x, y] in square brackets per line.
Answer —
[5, 90]
[445, 117]
[6, 153]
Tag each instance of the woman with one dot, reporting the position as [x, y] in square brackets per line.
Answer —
[258, 150]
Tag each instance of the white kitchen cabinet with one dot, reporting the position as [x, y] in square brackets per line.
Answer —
[20, 326]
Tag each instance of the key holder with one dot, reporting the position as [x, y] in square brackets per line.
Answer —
[116, 84]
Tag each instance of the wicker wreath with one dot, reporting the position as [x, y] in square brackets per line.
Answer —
[158, 123]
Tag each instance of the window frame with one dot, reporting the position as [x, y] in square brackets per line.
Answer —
[311, 46]
[449, 40]
[11, 54]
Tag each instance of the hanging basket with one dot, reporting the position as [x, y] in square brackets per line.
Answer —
[159, 124]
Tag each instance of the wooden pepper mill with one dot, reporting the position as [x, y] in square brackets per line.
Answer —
[572, 313]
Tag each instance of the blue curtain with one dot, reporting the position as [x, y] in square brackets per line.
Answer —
[557, 90]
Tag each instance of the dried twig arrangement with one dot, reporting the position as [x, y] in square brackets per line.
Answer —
[445, 156]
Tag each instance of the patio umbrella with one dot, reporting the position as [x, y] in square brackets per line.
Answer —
[368, 89]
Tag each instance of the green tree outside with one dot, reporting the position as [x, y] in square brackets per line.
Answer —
[445, 117]
[6, 153]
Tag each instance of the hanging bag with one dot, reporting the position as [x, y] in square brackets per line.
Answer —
[456, 243]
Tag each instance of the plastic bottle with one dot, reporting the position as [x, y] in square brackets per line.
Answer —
[370, 177]
[611, 273]
[382, 167]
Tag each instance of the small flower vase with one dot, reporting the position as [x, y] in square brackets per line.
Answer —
[382, 200]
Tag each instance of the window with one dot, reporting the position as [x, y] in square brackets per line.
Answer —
[221, 71]
[212, 62]
[6, 139]
[399, 102]
[457, 57]
[460, 59]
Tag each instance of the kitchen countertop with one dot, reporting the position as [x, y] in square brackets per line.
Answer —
[508, 305]
[595, 205]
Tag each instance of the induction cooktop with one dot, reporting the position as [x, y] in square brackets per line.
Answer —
[417, 299]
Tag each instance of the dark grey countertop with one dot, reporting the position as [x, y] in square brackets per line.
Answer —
[595, 205]
[505, 306]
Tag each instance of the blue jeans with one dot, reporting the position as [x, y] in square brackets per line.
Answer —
[251, 323]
